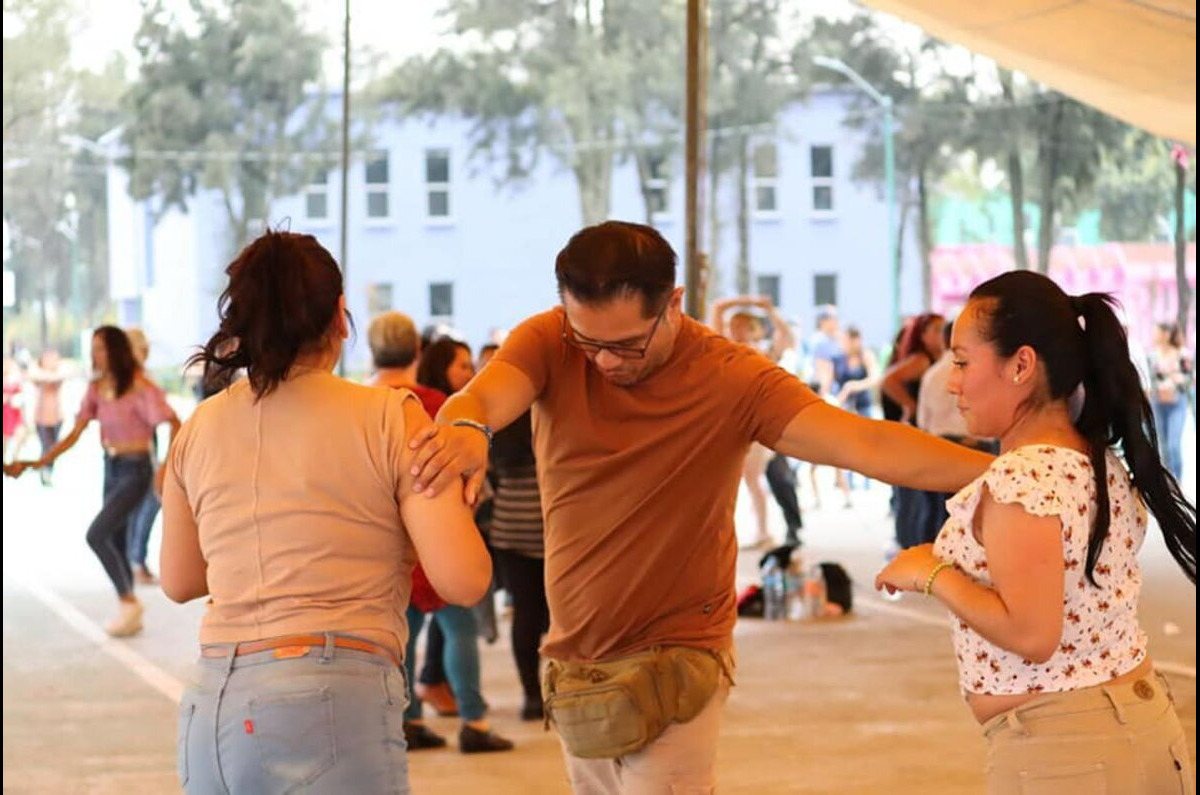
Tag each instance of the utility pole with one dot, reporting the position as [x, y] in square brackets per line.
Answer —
[694, 166]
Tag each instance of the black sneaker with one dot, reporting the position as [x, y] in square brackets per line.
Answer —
[418, 736]
[474, 741]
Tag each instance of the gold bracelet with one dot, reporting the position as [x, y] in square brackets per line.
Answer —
[933, 576]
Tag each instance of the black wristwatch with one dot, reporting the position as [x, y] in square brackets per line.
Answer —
[486, 430]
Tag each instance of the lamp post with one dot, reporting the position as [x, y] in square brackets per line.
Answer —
[889, 169]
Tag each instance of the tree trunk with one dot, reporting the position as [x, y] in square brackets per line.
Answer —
[743, 216]
[642, 163]
[1050, 163]
[1016, 187]
[1182, 288]
[714, 215]
[593, 174]
[925, 237]
[1016, 175]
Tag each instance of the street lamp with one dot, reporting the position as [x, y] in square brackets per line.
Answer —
[889, 169]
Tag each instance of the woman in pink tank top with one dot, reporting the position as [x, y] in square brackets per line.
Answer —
[129, 408]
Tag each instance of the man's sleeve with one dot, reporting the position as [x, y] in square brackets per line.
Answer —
[771, 398]
[532, 346]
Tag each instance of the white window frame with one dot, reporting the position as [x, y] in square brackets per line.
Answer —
[758, 181]
[314, 189]
[815, 182]
[661, 184]
[441, 187]
[432, 316]
[377, 188]
[374, 307]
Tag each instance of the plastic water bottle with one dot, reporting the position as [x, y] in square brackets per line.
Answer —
[814, 587]
[774, 602]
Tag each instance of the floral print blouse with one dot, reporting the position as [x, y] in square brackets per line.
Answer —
[1101, 637]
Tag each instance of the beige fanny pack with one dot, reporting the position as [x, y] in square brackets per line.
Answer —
[611, 708]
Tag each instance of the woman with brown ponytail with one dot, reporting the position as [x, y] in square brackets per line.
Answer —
[1038, 560]
[289, 504]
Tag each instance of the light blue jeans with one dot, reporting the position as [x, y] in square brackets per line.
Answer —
[461, 659]
[331, 721]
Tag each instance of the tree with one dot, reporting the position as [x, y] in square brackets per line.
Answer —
[580, 81]
[1181, 160]
[1015, 168]
[751, 79]
[1071, 139]
[1134, 188]
[226, 102]
[54, 196]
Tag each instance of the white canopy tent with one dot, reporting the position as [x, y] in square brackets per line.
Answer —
[1133, 59]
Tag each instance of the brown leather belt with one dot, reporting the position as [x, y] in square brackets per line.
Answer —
[290, 646]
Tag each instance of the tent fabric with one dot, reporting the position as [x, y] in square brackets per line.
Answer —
[1133, 59]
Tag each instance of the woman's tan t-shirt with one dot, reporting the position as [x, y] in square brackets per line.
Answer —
[296, 498]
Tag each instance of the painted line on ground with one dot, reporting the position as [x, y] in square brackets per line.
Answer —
[142, 667]
[876, 604]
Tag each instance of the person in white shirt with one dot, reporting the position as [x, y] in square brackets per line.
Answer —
[937, 413]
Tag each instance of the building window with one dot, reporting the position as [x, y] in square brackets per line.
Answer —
[441, 299]
[768, 286]
[379, 299]
[825, 289]
[765, 176]
[821, 172]
[377, 185]
[437, 183]
[316, 197]
[658, 186]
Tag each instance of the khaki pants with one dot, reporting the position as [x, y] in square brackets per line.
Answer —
[1106, 739]
[682, 760]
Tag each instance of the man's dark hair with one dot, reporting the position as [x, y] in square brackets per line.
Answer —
[617, 258]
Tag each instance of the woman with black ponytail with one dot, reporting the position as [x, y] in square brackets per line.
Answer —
[1038, 560]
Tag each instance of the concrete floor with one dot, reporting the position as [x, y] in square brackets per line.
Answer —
[865, 704]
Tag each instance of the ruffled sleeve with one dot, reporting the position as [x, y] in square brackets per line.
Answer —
[1033, 477]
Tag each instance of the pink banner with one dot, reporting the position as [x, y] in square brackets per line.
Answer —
[1140, 275]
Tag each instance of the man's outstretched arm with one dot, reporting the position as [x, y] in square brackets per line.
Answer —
[887, 451]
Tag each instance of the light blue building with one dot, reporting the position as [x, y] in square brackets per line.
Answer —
[433, 235]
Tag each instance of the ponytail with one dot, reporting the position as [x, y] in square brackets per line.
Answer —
[281, 299]
[1117, 413]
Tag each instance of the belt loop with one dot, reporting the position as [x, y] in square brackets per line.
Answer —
[229, 663]
[1166, 686]
[327, 652]
[1116, 704]
[1014, 720]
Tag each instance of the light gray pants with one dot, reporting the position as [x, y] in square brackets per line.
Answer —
[682, 760]
[331, 721]
[1122, 738]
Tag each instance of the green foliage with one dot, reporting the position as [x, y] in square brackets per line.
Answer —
[579, 81]
[1135, 187]
[59, 251]
[226, 100]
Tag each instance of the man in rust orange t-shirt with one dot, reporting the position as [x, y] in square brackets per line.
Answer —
[642, 418]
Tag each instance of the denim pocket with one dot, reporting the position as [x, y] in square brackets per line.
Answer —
[187, 711]
[295, 737]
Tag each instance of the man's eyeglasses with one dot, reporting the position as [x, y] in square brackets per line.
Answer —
[593, 347]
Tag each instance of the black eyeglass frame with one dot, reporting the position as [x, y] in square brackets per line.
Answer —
[593, 347]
